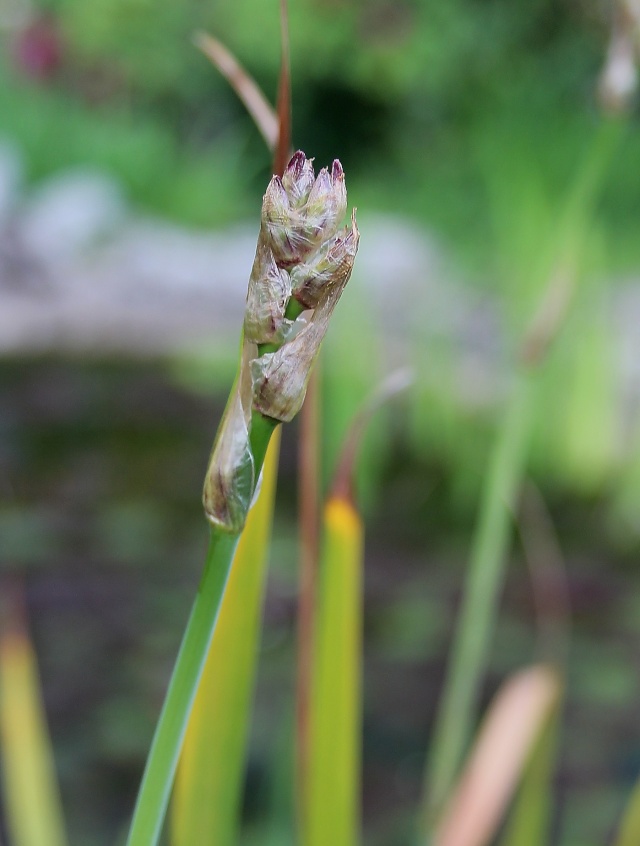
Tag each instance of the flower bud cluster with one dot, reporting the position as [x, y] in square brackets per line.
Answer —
[299, 248]
[298, 214]
[300, 219]
[301, 260]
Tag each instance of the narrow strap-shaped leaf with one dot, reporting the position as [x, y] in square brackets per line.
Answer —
[210, 775]
[31, 794]
[629, 831]
[331, 787]
[485, 578]
[333, 772]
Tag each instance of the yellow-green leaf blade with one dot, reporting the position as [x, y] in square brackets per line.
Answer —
[333, 788]
[629, 831]
[31, 795]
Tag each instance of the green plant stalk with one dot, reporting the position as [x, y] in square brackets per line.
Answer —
[486, 572]
[208, 786]
[159, 773]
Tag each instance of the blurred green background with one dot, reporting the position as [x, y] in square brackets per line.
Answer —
[476, 123]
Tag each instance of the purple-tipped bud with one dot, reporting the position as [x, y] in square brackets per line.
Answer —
[331, 265]
[326, 204]
[283, 226]
[293, 226]
[298, 178]
[276, 208]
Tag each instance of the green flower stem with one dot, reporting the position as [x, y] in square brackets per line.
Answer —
[159, 773]
[259, 436]
[294, 309]
[486, 575]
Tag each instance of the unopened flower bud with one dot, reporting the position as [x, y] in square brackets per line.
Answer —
[298, 178]
[280, 379]
[326, 204]
[332, 264]
[267, 298]
[282, 226]
[230, 480]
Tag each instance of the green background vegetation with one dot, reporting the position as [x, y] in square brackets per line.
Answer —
[476, 120]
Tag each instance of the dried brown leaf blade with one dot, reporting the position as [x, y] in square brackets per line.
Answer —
[498, 757]
[244, 85]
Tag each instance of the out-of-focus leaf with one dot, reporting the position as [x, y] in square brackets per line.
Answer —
[482, 592]
[331, 812]
[502, 748]
[209, 780]
[31, 794]
[504, 478]
[629, 831]
[331, 773]
[530, 817]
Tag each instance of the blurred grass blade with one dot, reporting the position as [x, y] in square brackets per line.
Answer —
[504, 743]
[210, 775]
[530, 818]
[629, 831]
[243, 84]
[331, 813]
[333, 775]
[486, 572]
[31, 794]
[308, 536]
[549, 579]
